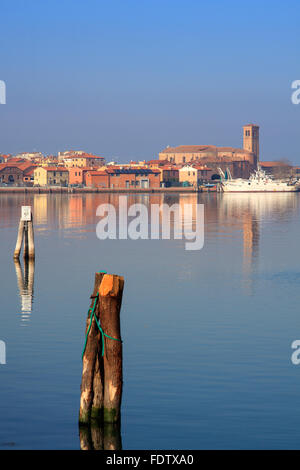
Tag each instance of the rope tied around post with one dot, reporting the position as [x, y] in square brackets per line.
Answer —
[92, 310]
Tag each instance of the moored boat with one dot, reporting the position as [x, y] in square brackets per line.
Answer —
[258, 182]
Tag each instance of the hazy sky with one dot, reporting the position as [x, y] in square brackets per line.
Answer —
[124, 78]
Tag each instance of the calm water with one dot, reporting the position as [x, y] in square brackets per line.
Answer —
[207, 334]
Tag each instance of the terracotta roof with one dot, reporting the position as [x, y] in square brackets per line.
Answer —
[98, 173]
[81, 168]
[22, 166]
[202, 148]
[169, 167]
[156, 162]
[188, 149]
[84, 155]
[272, 164]
[53, 168]
[232, 149]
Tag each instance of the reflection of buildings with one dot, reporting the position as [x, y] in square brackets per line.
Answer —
[25, 285]
[249, 212]
[251, 243]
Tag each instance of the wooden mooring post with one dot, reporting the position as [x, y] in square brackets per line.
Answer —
[26, 235]
[101, 383]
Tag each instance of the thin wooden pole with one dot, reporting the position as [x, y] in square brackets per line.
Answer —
[31, 248]
[25, 248]
[110, 300]
[89, 363]
[19, 240]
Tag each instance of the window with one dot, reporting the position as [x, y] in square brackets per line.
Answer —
[183, 159]
[75, 173]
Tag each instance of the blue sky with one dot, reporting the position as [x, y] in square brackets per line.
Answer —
[124, 79]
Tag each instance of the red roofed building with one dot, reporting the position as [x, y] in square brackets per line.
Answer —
[240, 161]
[77, 175]
[82, 160]
[129, 178]
[14, 172]
[51, 176]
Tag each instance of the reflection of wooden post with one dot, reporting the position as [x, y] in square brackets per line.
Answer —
[19, 274]
[110, 299]
[112, 436]
[101, 385]
[85, 438]
[25, 283]
[89, 362]
[99, 436]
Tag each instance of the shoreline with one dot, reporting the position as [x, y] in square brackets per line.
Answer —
[63, 190]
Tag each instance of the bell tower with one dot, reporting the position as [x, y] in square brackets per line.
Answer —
[251, 140]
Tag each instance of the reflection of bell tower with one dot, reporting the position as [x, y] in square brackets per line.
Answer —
[251, 243]
[251, 140]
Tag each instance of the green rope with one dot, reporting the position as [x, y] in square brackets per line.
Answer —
[93, 315]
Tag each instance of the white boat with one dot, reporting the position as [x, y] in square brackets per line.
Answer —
[258, 182]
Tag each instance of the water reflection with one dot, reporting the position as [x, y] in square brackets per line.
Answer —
[230, 215]
[251, 211]
[100, 436]
[25, 284]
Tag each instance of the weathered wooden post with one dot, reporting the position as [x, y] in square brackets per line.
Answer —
[25, 247]
[31, 248]
[101, 385]
[19, 240]
[25, 233]
[89, 358]
[110, 300]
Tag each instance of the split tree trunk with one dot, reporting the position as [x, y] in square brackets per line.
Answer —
[89, 362]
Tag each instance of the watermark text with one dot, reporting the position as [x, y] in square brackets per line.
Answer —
[2, 92]
[296, 94]
[158, 221]
[2, 352]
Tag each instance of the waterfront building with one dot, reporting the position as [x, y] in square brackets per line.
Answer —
[58, 176]
[77, 175]
[124, 178]
[80, 159]
[278, 169]
[194, 175]
[241, 162]
[16, 172]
